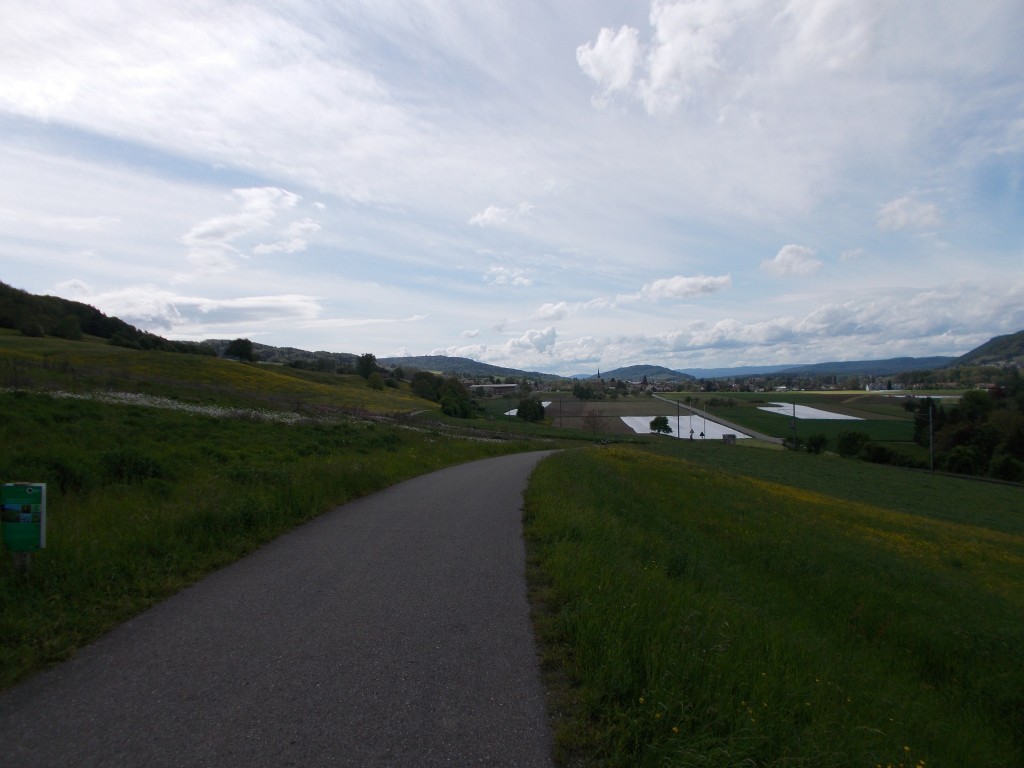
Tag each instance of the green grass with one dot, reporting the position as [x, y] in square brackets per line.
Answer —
[706, 618]
[84, 366]
[962, 500]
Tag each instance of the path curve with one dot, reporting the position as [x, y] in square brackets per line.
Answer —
[391, 631]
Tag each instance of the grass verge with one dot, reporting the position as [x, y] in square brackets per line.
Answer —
[703, 618]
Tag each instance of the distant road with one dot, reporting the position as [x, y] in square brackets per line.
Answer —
[392, 631]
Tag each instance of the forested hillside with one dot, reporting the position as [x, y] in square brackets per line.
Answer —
[53, 316]
[1001, 350]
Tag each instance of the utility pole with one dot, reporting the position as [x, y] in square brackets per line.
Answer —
[931, 437]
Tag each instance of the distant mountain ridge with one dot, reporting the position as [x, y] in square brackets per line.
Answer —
[891, 366]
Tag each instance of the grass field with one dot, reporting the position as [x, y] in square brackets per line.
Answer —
[85, 366]
[697, 617]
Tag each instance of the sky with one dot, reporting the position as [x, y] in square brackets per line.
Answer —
[550, 185]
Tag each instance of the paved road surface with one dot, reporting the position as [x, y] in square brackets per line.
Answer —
[392, 631]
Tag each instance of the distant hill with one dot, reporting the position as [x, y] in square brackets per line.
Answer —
[460, 366]
[870, 367]
[264, 353]
[53, 316]
[1001, 350]
[737, 372]
[638, 372]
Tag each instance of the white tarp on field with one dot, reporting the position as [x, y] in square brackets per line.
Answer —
[806, 412]
[712, 429]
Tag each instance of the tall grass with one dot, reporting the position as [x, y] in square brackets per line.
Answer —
[142, 501]
[708, 619]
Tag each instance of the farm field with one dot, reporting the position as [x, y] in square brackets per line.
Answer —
[882, 417]
[709, 618]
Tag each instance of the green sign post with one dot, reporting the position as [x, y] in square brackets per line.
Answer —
[23, 516]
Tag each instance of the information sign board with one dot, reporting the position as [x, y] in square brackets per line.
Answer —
[23, 516]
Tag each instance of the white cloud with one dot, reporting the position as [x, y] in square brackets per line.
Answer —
[792, 260]
[294, 241]
[501, 275]
[210, 243]
[534, 341]
[611, 60]
[908, 213]
[356, 322]
[494, 216]
[681, 287]
[530, 347]
[686, 49]
[82, 223]
[554, 311]
[182, 315]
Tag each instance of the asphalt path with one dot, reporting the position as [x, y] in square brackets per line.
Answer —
[391, 631]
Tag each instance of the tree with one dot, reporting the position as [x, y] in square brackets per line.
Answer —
[583, 391]
[816, 443]
[366, 365]
[530, 409]
[240, 349]
[425, 385]
[594, 421]
[69, 328]
[375, 381]
[455, 398]
[660, 425]
[851, 443]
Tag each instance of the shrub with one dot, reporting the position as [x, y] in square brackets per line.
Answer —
[1005, 467]
[530, 410]
[962, 460]
[851, 443]
[816, 443]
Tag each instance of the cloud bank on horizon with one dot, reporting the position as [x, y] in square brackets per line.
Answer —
[554, 187]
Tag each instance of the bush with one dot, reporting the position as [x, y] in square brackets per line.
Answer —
[1005, 467]
[816, 443]
[530, 410]
[962, 460]
[851, 443]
